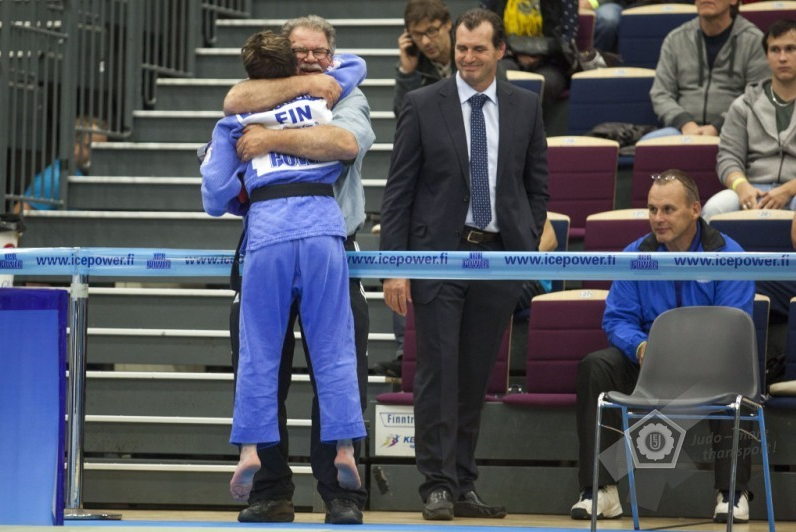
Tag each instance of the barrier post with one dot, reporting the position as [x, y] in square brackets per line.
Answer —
[76, 404]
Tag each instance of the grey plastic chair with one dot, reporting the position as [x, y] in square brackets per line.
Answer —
[699, 361]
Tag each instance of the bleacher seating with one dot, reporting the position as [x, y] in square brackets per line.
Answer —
[563, 328]
[694, 154]
[582, 177]
[758, 229]
[498, 383]
[527, 80]
[643, 29]
[613, 231]
[762, 14]
[610, 95]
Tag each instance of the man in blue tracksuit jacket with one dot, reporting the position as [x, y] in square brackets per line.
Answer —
[294, 251]
[630, 309]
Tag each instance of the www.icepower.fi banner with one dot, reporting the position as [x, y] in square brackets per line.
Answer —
[134, 262]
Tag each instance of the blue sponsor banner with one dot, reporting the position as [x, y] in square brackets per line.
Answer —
[135, 262]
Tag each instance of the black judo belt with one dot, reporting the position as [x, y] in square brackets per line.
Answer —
[269, 192]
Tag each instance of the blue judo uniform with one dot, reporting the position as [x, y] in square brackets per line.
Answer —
[293, 250]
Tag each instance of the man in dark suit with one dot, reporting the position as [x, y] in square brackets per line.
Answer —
[466, 175]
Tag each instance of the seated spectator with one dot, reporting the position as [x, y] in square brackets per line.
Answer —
[47, 183]
[630, 309]
[704, 65]
[757, 152]
[539, 37]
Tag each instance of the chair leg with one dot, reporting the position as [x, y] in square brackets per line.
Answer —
[596, 469]
[631, 474]
[736, 429]
[761, 423]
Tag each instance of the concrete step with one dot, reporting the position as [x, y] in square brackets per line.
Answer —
[226, 63]
[178, 159]
[178, 230]
[163, 193]
[334, 9]
[189, 394]
[205, 94]
[351, 32]
[126, 193]
[197, 126]
[185, 309]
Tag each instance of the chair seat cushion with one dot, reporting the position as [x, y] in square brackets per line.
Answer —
[540, 399]
[640, 401]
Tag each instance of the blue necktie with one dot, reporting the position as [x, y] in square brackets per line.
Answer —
[479, 166]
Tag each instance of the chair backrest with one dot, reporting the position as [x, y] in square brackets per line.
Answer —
[582, 178]
[760, 312]
[613, 231]
[757, 230]
[527, 80]
[694, 154]
[700, 352]
[563, 328]
[560, 223]
[763, 14]
[643, 29]
[586, 20]
[790, 349]
[610, 95]
[498, 382]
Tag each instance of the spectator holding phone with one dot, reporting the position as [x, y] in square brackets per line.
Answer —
[425, 46]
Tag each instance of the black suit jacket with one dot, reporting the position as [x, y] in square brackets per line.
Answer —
[428, 190]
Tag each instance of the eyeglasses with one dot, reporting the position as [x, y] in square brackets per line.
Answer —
[431, 32]
[318, 53]
[670, 177]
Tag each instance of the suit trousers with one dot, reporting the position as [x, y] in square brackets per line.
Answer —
[610, 370]
[274, 480]
[458, 337]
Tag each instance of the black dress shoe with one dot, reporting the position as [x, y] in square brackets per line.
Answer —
[471, 505]
[343, 512]
[268, 511]
[438, 506]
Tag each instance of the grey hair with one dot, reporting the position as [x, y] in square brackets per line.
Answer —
[312, 22]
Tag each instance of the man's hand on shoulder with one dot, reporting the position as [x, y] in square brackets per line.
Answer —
[325, 87]
[253, 142]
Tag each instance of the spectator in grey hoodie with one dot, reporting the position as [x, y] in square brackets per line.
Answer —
[704, 65]
[757, 152]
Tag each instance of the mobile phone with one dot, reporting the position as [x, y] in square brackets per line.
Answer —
[411, 50]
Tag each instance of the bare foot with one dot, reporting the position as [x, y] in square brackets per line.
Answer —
[347, 473]
[243, 478]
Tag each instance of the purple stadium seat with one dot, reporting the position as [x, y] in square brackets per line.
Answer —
[610, 95]
[613, 231]
[643, 29]
[527, 80]
[582, 178]
[498, 383]
[563, 328]
[694, 154]
[586, 21]
[762, 14]
[757, 230]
